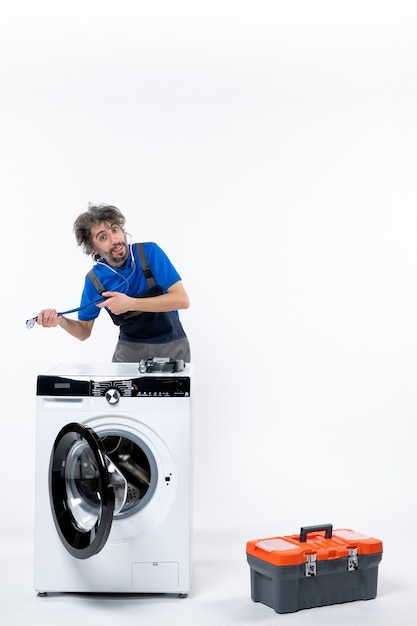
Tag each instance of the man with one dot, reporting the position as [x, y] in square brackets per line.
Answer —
[137, 285]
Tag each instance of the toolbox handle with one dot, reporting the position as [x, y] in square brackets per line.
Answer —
[328, 528]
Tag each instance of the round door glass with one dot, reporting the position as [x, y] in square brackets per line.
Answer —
[82, 485]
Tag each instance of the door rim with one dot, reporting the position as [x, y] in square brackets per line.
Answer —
[81, 544]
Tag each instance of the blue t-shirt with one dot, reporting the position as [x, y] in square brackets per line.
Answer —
[129, 278]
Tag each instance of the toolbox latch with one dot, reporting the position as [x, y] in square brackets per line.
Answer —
[310, 569]
[353, 562]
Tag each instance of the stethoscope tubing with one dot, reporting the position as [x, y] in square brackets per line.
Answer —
[30, 323]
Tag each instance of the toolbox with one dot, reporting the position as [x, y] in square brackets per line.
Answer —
[318, 567]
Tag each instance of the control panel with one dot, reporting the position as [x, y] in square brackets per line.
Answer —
[140, 387]
[146, 387]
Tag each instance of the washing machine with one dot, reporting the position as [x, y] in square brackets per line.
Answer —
[113, 461]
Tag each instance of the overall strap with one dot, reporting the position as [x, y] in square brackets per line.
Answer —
[150, 281]
[96, 281]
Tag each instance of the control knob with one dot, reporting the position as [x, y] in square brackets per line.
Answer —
[112, 395]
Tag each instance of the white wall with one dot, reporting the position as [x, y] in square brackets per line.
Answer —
[270, 148]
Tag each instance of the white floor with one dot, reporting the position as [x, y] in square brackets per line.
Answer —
[220, 594]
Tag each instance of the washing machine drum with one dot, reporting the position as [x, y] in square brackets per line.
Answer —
[87, 489]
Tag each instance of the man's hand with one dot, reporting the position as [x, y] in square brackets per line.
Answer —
[48, 318]
[117, 303]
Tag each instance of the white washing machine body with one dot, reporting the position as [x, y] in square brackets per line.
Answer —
[113, 480]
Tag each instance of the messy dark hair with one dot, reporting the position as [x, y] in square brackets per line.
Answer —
[95, 214]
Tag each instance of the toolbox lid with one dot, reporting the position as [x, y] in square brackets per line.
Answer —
[323, 541]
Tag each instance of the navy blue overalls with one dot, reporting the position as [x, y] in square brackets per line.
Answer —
[139, 326]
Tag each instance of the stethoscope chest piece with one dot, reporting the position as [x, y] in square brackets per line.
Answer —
[31, 323]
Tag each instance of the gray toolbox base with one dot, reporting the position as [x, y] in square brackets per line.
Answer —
[288, 589]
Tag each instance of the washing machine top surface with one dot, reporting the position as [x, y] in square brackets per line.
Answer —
[109, 370]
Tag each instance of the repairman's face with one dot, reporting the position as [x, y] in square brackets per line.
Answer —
[109, 241]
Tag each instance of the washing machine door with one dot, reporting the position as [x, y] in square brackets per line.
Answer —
[83, 492]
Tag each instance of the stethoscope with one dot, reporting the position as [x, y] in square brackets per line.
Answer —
[30, 323]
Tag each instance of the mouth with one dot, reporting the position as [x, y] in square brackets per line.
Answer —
[119, 249]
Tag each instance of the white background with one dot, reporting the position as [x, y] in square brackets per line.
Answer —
[270, 149]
